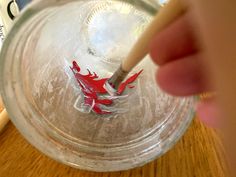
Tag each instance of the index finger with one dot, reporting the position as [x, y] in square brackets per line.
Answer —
[176, 41]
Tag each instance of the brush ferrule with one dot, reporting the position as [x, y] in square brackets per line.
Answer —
[117, 78]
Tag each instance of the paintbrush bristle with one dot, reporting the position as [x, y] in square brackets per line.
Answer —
[114, 82]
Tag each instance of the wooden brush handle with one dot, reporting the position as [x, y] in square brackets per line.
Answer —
[3, 119]
[165, 16]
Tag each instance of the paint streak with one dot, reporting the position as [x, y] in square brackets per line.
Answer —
[127, 82]
[92, 88]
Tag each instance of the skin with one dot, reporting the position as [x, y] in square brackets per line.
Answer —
[179, 57]
[196, 54]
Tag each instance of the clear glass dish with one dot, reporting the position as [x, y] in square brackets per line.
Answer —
[40, 91]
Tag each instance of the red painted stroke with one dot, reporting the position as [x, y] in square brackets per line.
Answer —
[92, 88]
[127, 82]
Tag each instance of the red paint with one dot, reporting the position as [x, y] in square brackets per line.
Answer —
[92, 88]
[127, 82]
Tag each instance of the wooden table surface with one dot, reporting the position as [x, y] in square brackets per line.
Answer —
[198, 154]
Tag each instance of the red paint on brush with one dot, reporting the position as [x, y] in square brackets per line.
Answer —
[92, 88]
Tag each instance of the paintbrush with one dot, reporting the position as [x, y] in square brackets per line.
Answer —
[165, 16]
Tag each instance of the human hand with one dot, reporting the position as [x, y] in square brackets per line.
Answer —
[181, 68]
[209, 45]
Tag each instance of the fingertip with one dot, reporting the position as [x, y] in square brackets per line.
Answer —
[153, 50]
[159, 48]
[174, 42]
[182, 77]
